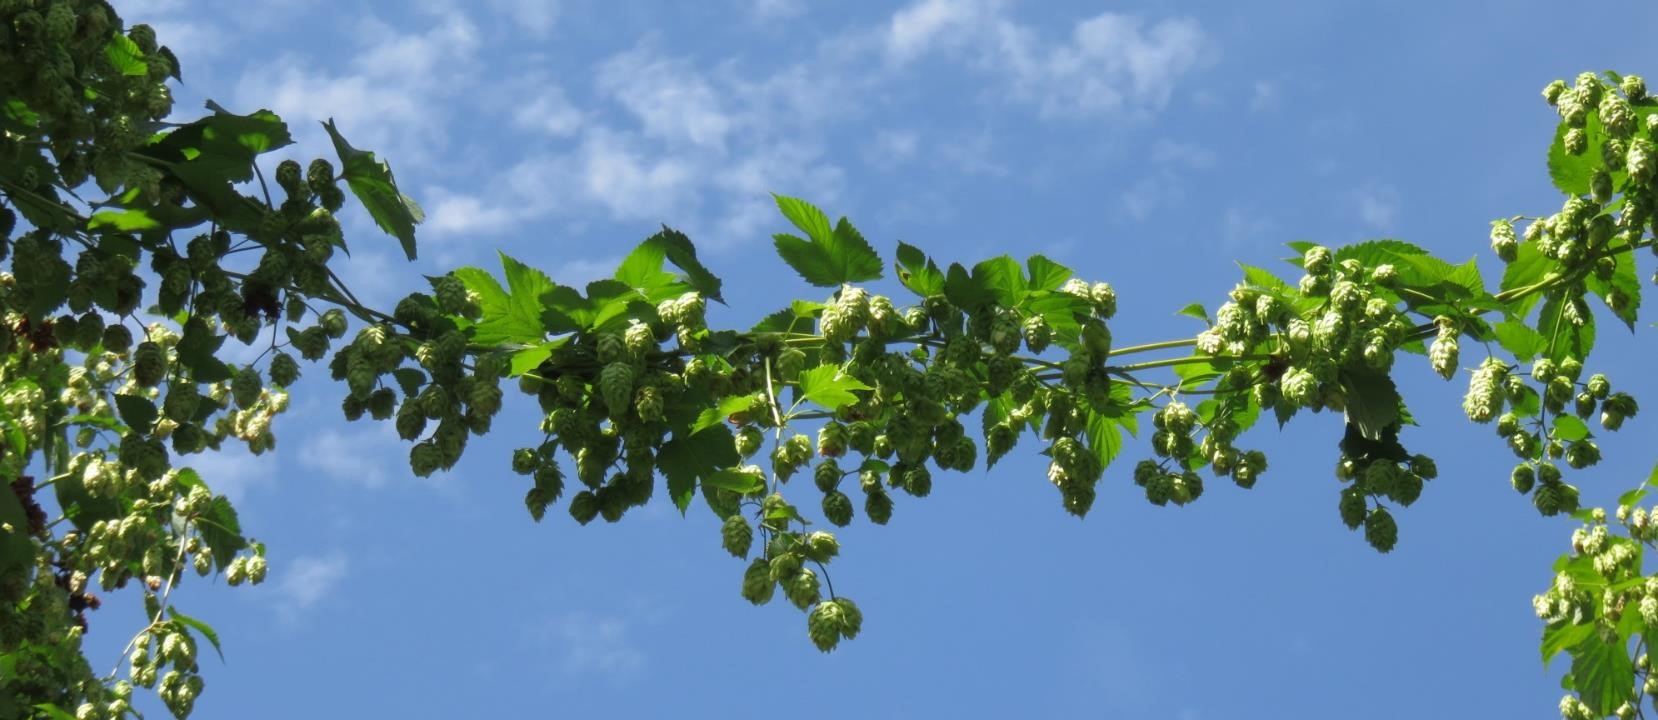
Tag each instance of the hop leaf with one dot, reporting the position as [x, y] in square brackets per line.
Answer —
[736, 536]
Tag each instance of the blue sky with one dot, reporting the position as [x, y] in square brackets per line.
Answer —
[1145, 143]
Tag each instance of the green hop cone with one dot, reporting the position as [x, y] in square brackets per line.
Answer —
[878, 506]
[1038, 334]
[837, 508]
[149, 364]
[638, 339]
[616, 386]
[245, 387]
[826, 624]
[1484, 400]
[584, 506]
[1353, 507]
[1380, 530]
[284, 370]
[736, 536]
[757, 583]
[831, 440]
[748, 441]
[1443, 355]
[790, 361]
[802, 588]
[827, 475]
[524, 461]
[333, 322]
[117, 339]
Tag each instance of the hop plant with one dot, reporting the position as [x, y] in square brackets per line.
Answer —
[1485, 392]
[1442, 356]
[736, 536]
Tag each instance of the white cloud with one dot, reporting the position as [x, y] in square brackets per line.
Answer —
[1189, 155]
[368, 457]
[306, 580]
[597, 645]
[1263, 96]
[233, 471]
[671, 99]
[891, 148]
[549, 112]
[1240, 225]
[1111, 64]
[451, 215]
[1377, 205]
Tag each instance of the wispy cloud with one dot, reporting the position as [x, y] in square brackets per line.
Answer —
[1264, 96]
[306, 580]
[597, 645]
[369, 456]
[1377, 205]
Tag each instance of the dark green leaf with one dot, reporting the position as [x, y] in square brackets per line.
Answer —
[968, 292]
[1372, 402]
[371, 181]
[1105, 437]
[697, 457]
[918, 272]
[829, 257]
[138, 412]
[197, 352]
[205, 630]
[222, 531]
[17, 551]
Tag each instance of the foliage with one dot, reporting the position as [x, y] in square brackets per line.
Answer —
[107, 407]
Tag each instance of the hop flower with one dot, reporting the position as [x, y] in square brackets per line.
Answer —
[1380, 530]
[638, 339]
[824, 625]
[1442, 356]
[1575, 141]
[1485, 394]
[245, 387]
[1037, 333]
[757, 583]
[837, 508]
[878, 506]
[1104, 298]
[736, 536]
[616, 386]
[802, 588]
[1503, 241]
[149, 364]
[831, 440]
[1316, 260]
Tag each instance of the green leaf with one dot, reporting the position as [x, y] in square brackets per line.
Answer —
[512, 315]
[696, 457]
[80, 506]
[1045, 274]
[17, 551]
[198, 352]
[1372, 402]
[1568, 428]
[1196, 310]
[1560, 636]
[677, 249]
[736, 481]
[205, 630]
[1562, 338]
[1572, 174]
[1003, 277]
[1602, 674]
[1105, 437]
[642, 271]
[799, 317]
[967, 291]
[53, 711]
[122, 220]
[829, 257]
[222, 531]
[530, 358]
[1518, 338]
[139, 413]
[1624, 280]
[918, 272]
[371, 181]
[123, 55]
[728, 406]
[826, 385]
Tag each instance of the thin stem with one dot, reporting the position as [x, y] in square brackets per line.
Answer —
[1149, 347]
[1188, 360]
